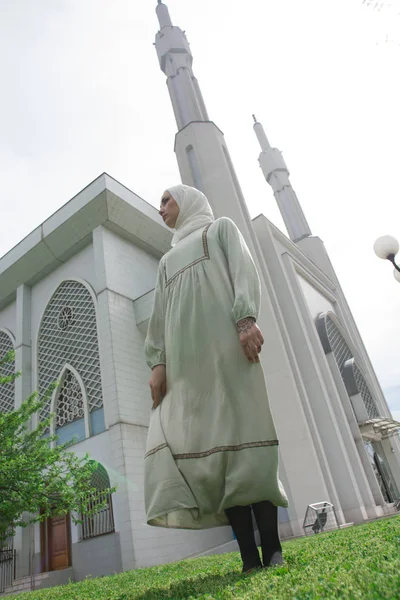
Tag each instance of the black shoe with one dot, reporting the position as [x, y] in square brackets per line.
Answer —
[247, 569]
[276, 560]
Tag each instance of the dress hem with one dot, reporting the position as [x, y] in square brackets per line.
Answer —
[205, 453]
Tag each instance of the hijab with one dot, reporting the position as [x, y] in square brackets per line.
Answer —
[194, 211]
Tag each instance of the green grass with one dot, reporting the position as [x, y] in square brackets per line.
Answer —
[356, 563]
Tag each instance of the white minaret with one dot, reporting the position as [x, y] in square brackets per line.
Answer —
[176, 61]
[277, 175]
[200, 147]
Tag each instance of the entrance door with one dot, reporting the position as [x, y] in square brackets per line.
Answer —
[381, 470]
[385, 472]
[56, 543]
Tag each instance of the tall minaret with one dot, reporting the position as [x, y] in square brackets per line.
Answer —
[176, 61]
[200, 147]
[277, 175]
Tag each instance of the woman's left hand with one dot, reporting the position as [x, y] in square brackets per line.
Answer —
[251, 339]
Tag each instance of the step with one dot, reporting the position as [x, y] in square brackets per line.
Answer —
[23, 584]
[38, 577]
[18, 590]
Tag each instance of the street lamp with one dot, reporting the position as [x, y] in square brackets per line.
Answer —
[387, 247]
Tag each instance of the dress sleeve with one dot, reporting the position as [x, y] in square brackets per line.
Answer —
[154, 345]
[242, 271]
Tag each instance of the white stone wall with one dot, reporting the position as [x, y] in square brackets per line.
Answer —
[123, 273]
[8, 317]
[124, 370]
[130, 271]
[317, 302]
[308, 476]
[97, 557]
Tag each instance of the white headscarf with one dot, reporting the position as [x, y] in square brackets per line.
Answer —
[194, 211]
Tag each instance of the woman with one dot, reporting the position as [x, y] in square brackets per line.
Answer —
[212, 452]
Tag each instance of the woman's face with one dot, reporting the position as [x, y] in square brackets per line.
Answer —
[169, 210]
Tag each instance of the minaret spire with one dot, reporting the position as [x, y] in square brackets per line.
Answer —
[260, 133]
[163, 15]
[176, 61]
[277, 175]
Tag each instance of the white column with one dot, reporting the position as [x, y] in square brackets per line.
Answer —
[23, 350]
[277, 175]
[361, 465]
[112, 415]
[23, 389]
[124, 273]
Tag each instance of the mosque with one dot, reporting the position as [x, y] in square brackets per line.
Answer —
[71, 313]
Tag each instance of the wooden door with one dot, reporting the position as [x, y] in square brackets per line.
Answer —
[56, 543]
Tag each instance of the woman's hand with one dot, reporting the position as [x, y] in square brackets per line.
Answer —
[158, 384]
[251, 339]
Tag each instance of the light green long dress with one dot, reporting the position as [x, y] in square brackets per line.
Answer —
[212, 443]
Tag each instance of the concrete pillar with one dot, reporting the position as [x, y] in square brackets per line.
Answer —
[366, 480]
[23, 350]
[23, 389]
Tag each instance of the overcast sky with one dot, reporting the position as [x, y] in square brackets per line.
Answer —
[82, 93]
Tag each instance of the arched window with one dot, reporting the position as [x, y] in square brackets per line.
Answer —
[365, 392]
[333, 339]
[70, 407]
[68, 335]
[7, 390]
[103, 521]
[356, 383]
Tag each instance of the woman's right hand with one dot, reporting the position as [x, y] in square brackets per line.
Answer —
[158, 384]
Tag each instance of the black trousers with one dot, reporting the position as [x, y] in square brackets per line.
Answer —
[240, 519]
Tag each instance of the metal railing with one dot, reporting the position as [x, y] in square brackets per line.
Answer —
[7, 565]
[101, 522]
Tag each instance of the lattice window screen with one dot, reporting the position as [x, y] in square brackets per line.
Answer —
[68, 334]
[103, 521]
[343, 353]
[365, 392]
[100, 478]
[7, 390]
[339, 346]
[69, 406]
